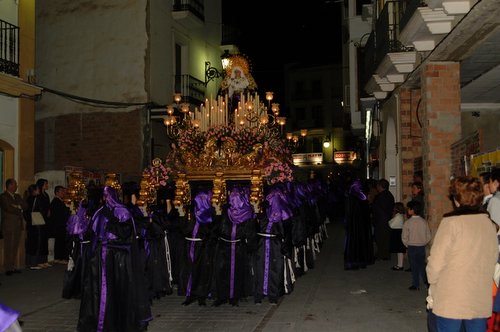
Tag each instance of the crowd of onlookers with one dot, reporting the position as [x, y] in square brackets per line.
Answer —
[458, 266]
[44, 221]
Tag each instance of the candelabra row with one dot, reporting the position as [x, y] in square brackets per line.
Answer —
[249, 112]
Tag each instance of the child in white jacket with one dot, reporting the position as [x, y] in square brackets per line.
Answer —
[416, 235]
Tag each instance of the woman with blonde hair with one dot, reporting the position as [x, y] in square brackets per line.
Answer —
[462, 261]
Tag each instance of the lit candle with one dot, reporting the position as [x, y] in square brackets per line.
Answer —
[227, 109]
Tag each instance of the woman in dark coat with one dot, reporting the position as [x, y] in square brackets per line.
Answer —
[36, 235]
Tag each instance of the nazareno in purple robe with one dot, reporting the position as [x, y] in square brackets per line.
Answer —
[114, 295]
[195, 280]
[233, 277]
[273, 270]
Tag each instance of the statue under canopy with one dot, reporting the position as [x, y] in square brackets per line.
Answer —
[238, 80]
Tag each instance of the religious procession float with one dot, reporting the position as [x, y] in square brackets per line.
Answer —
[233, 137]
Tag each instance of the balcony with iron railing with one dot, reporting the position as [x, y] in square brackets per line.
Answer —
[9, 48]
[407, 9]
[194, 7]
[384, 39]
[191, 89]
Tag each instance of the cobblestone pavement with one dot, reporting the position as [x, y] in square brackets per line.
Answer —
[326, 298]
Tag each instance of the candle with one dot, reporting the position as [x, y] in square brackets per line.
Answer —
[227, 110]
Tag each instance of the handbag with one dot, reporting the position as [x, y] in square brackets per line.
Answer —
[36, 217]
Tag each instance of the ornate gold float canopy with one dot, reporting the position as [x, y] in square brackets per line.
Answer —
[233, 137]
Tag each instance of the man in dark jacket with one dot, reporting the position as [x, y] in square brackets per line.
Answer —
[382, 208]
[59, 214]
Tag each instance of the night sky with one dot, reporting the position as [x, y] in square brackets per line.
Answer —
[274, 33]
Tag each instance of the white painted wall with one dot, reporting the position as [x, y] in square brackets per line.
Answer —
[8, 11]
[99, 53]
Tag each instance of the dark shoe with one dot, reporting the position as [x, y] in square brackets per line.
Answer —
[408, 269]
[397, 268]
[16, 271]
[9, 273]
[413, 288]
[188, 301]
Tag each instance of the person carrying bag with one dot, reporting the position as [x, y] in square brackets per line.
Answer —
[36, 216]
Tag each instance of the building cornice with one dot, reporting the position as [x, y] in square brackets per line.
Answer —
[16, 87]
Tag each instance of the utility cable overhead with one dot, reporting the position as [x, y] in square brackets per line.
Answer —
[92, 102]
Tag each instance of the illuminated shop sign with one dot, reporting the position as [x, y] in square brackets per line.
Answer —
[344, 156]
[307, 158]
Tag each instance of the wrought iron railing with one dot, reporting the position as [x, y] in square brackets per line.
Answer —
[366, 58]
[9, 48]
[196, 7]
[384, 39]
[191, 89]
[386, 30]
[406, 10]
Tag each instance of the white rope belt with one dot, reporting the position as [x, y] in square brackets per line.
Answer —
[169, 260]
[229, 241]
[193, 239]
[266, 235]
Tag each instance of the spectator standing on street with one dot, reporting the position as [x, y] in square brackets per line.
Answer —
[462, 261]
[44, 198]
[12, 206]
[416, 235]
[493, 208]
[417, 194]
[36, 235]
[485, 181]
[59, 214]
[396, 225]
[494, 202]
[43, 201]
[382, 208]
